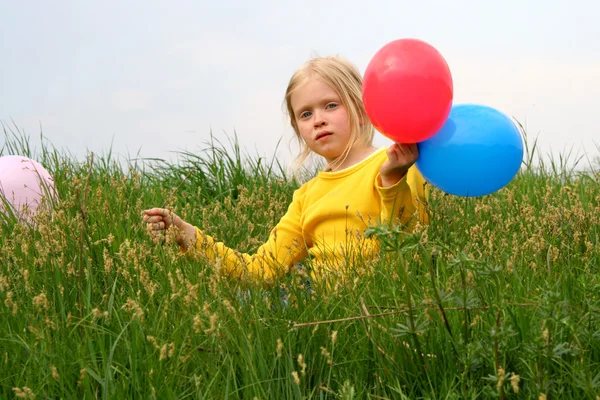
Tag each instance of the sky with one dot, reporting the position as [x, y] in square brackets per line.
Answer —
[151, 79]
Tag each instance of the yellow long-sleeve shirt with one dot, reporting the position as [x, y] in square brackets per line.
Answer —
[325, 222]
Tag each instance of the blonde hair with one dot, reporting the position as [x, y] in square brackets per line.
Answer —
[344, 78]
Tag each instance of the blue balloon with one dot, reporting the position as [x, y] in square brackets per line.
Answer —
[478, 151]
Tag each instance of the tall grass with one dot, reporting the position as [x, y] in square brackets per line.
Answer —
[499, 297]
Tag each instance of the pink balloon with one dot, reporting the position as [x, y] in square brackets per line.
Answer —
[23, 184]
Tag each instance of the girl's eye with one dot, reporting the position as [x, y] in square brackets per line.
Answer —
[305, 114]
[331, 105]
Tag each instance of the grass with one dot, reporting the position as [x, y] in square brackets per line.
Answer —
[499, 297]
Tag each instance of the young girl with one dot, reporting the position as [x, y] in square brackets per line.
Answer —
[325, 222]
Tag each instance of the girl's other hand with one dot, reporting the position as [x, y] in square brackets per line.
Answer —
[158, 220]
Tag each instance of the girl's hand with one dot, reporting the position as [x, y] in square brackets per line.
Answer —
[158, 220]
[400, 158]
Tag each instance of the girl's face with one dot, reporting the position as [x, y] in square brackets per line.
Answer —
[322, 119]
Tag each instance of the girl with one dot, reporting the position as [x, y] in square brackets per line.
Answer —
[325, 222]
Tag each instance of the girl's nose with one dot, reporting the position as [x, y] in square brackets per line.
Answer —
[319, 121]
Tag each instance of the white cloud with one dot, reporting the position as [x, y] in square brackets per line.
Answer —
[164, 82]
[129, 100]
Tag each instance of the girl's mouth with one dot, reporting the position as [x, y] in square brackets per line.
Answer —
[322, 135]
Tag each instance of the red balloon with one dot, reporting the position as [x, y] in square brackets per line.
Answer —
[407, 90]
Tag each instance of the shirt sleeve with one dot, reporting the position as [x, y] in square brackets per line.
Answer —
[420, 190]
[283, 249]
[397, 201]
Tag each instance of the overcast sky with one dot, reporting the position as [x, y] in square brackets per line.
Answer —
[155, 77]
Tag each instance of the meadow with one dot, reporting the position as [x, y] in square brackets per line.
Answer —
[498, 297]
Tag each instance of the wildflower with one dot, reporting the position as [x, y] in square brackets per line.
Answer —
[3, 283]
[97, 314]
[302, 364]
[54, 371]
[9, 303]
[501, 376]
[213, 283]
[427, 314]
[474, 322]
[173, 284]
[279, 348]
[470, 277]
[545, 335]
[149, 286]
[197, 323]
[327, 355]
[510, 267]
[347, 391]
[152, 340]
[41, 302]
[296, 378]
[229, 307]
[514, 382]
[167, 351]
[213, 321]
[108, 261]
[26, 280]
[533, 266]
[334, 335]
[133, 307]
[184, 359]
[24, 393]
